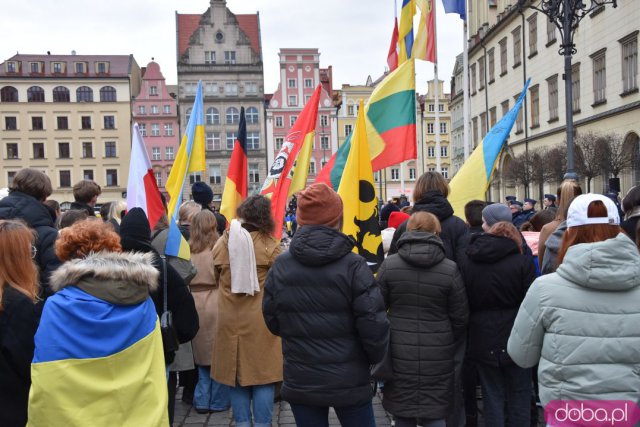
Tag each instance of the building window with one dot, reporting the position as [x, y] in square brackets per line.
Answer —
[481, 81]
[158, 176]
[312, 167]
[187, 115]
[209, 57]
[108, 94]
[87, 150]
[84, 94]
[35, 94]
[492, 64]
[599, 77]
[324, 142]
[430, 128]
[229, 57]
[395, 174]
[443, 127]
[195, 177]
[153, 90]
[155, 153]
[254, 173]
[292, 120]
[231, 88]
[231, 140]
[251, 88]
[10, 123]
[445, 173]
[535, 106]
[348, 129]
[109, 122]
[110, 149]
[168, 153]
[65, 178]
[350, 110]
[102, 67]
[87, 174]
[85, 122]
[533, 34]
[232, 116]
[154, 109]
[551, 32]
[293, 100]
[517, 46]
[190, 88]
[503, 56]
[412, 174]
[38, 150]
[61, 94]
[474, 126]
[12, 151]
[212, 117]
[155, 129]
[279, 142]
[432, 108]
[11, 67]
[519, 117]
[552, 83]
[9, 94]
[37, 123]
[166, 109]
[215, 174]
[492, 116]
[112, 177]
[575, 86]
[212, 140]
[142, 110]
[143, 129]
[279, 122]
[63, 122]
[35, 67]
[472, 77]
[444, 151]
[324, 121]
[431, 151]
[251, 115]
[63, 150]
[168, 129]
[505, 107]
[308, 83]
[253, 140]
[291, 83]
[630, 63]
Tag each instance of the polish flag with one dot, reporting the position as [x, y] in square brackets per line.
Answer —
[142, 189]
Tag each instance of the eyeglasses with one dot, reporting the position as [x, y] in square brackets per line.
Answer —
[34, 251]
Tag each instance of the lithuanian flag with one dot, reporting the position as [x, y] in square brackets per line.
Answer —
[390, 116]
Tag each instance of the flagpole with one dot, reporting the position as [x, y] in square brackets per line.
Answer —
[437, 95]
[466, 137]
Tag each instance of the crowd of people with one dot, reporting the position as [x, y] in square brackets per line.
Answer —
[98, 327]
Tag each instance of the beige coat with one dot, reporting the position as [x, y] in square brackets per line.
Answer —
[244, 352]
[204, 288]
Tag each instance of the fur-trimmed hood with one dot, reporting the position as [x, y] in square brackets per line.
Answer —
[118, 277]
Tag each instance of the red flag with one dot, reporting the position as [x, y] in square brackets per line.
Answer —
[392, 56]
[235, 186]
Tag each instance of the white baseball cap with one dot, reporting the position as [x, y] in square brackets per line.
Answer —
[579, 207]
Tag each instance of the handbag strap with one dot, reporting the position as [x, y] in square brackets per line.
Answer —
[163, 260]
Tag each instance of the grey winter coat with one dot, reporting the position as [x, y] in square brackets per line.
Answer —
[582, 324]
[552, 247]
[427, 303]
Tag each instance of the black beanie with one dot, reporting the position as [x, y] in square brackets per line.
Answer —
[202, 193]
[135, 232]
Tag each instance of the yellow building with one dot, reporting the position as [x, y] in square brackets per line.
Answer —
[69, 116]
[430, 152]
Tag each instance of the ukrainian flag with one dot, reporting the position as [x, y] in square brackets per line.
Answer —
[97, 364]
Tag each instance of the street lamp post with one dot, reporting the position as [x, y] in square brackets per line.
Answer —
[566, 15]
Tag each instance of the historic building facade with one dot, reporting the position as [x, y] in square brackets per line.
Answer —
[430, 152]
[456, 109]
[69, 116]
[224, 51]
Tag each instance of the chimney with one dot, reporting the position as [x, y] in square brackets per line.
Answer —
[73, 52]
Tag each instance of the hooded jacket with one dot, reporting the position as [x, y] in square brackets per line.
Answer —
[322, 299]
[427, 307]
[582, 324]
[454, 230]
[18, 205]
[496, 276]
[552, 247]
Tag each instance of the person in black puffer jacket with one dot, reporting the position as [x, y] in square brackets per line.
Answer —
[323, 300]
[497, 276]
[427, 304]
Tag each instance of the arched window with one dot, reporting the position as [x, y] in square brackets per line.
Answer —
[9, 94]
[35, 94]
[84, 94]
[187, 115]
[213, 116]
[233, 116]
[61, 94]
[108, 94]
[251, 115]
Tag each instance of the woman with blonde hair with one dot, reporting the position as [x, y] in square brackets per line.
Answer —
[209, 396]
[18, 319]
[116, 212]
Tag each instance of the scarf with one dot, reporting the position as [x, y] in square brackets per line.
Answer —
[241, 253]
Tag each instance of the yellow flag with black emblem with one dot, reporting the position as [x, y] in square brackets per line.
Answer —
[359, 197]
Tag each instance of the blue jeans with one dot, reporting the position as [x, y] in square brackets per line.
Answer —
[258, 396]
[349, 416]
[209, 394]
[506, 394]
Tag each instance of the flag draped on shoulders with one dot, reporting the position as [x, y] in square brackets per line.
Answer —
[235, 186]
[280, 183]
[390, 115]
[473, 178]
[358, 195]
[190, 158]
[142, 189]
[424, 46]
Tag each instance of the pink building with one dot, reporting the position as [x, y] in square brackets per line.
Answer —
[156, 113]
[300, 73]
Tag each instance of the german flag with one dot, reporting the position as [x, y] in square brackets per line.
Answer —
[235, 186]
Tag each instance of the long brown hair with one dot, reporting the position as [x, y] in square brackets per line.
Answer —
[430, 181]
[203, 231]
[507, 229]
[568, 190]
[17, 268]
[590, 233]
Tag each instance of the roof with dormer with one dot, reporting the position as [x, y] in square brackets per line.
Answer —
[119, 65]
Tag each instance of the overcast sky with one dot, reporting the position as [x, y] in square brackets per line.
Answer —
[353, 35]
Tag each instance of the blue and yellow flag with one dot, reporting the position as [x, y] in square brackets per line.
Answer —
[190, 158]
[405, 41]
[359, 197]
[473, 179]
[97, 364]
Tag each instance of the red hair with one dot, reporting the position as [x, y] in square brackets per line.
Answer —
[17, 268]
[86, 236]
[506, 229]
[590, 233]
